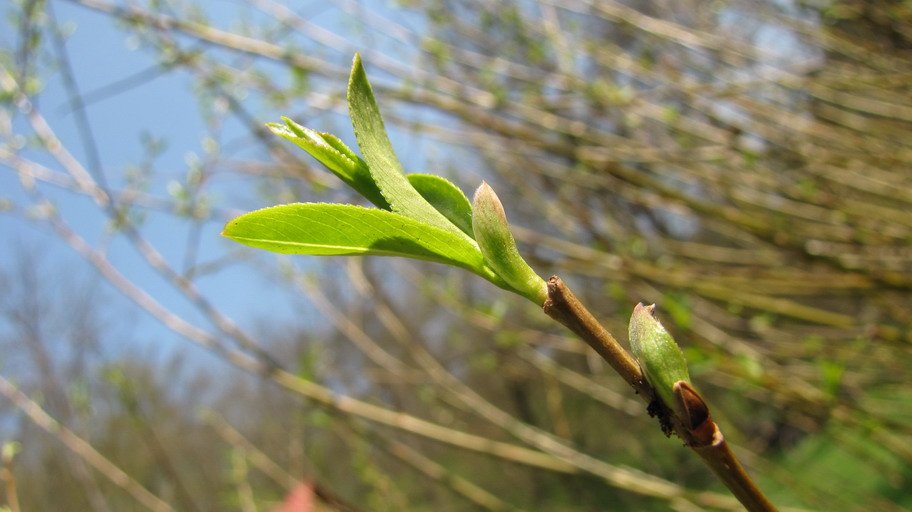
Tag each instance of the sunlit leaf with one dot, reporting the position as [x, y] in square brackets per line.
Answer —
[446, 198]
[381, 160]
[338, 230]
[330, 151]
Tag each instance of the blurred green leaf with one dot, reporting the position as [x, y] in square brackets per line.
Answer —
[831, 372]
[678, 308]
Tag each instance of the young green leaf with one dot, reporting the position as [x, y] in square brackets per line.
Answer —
[337, 229]
[335, 155]
[658, 354]
[381, 160]
[446, 198]
[492, 232]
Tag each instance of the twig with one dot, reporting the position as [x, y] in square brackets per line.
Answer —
[80, 447]
[244, 490]
[621, 477]
[563, 306]
[439, 473]
[266, 465]
[8, 478]
[698, 431]
[723, 462]
[257, 457]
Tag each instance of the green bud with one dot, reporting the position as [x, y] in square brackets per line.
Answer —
[492, 232]
[659, 356]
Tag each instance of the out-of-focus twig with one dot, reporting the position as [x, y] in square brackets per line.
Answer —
[81, 448]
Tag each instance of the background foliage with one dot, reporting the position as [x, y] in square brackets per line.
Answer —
[746, 165]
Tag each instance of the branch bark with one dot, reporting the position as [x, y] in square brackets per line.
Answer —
[698, 430]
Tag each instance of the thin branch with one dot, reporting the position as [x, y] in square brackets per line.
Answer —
[269, 467]
[621, 477]
[703, 436]
[81, 448]
[76, 101]
[724, 463]
[438, 472]
[563, 306]
[8, 478]
[243, 491]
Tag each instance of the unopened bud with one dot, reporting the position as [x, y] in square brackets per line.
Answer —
[659, 356]
[492, 232]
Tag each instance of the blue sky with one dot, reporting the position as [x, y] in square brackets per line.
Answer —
[166, 106]
[163, 107]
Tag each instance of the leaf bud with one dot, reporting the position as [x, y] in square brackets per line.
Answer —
[659, 356]
[492, 232]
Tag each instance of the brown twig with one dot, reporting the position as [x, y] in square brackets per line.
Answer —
[82, 449]
[8, 478]
[697, 430]
[723, 462]
[563, 306]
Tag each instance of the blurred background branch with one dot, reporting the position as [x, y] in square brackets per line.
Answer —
[745, 165]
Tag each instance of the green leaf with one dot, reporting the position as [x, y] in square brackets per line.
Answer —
[338, 230]
[446, 198]
[330, 151]
[381, 160]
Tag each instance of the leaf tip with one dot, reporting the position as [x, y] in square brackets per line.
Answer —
[294, 127]
[227, 230]
[357, 72]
